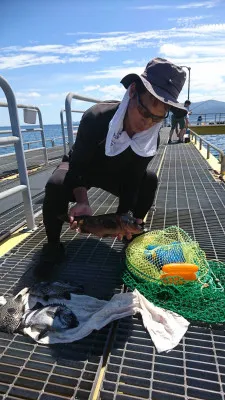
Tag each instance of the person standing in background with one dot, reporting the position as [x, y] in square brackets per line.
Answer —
[179, 119]
[199, 120]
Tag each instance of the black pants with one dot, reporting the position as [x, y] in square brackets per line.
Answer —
[57, 197]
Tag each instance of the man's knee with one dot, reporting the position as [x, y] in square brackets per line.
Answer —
[56, 180]
[151, 180]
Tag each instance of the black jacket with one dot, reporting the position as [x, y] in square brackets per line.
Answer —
[88, 157]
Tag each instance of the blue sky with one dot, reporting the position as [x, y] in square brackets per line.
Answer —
[51, 47]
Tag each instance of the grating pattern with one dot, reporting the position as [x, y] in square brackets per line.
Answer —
[10, 218]
[194, 370]
[31, 371]
[185, 181]
[189, 197]
[33, 158]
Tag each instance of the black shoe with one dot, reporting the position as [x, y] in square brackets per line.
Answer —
[180, 141]
[51, 257]
[169, 141]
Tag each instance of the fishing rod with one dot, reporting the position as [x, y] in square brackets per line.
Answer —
[203, 102]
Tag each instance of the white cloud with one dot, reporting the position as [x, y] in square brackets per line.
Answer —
[135, 62]
[188, 21]
[106, 92]
[91, 88]
[97, 33]
[57, 95]
[202, 4]
[128, 62]
[27, 60]
[177, 50]
[85, 50]
[28, 94]
[114, 73]
[83, 59]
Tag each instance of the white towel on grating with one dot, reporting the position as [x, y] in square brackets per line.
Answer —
[166, 328]
[143, 143]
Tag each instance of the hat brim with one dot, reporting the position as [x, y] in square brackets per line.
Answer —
[156, 91]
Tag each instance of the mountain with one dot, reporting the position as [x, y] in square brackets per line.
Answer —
[209, 106]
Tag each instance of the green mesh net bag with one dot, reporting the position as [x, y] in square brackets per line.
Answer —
[201, 299]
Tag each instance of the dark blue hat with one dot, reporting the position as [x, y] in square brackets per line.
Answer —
[163, 79]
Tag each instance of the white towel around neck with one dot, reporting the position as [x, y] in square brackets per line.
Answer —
[143, 143]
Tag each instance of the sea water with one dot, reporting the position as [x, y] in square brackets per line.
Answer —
[54, 133]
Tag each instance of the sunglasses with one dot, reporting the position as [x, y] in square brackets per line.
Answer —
[146, 113]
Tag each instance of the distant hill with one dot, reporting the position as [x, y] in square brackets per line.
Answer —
[209, 106]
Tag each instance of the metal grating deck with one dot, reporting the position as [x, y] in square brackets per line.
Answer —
[33, 159]
[194, 370]
[31, 371]
[187, 196]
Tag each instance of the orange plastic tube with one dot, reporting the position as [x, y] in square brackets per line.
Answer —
[180, 268]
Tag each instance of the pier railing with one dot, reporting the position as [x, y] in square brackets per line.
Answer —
[28, 130]
[198, 140]
[208, 119]
[68, 110]
[16, 139]
[63, 127]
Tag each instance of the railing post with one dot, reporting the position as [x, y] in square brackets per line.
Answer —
[69, 122]
[68, 110]
[43, 137]
[200, 144]
[222, 168]
[208, 151]
[23, 176]
[63, 131]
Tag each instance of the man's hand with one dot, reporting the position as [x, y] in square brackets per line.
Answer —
[78, 209]
[128, 233]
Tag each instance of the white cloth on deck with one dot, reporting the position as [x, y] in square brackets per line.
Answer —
[165, 327]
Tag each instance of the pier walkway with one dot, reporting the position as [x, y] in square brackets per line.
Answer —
[120, 361]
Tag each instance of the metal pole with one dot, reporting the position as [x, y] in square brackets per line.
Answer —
[43, 137]
[68, 110]
[23, 176]
[189, 80]
[63, 131]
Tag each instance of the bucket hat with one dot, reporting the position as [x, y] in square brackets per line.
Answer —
[163, 79]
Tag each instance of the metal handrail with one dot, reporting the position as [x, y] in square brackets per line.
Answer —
[206, 116]
[68, 110]
[41, 129]
[24, 186]
[63, 126]
[195, 136]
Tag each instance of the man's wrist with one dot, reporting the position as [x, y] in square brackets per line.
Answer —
[80, 194]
